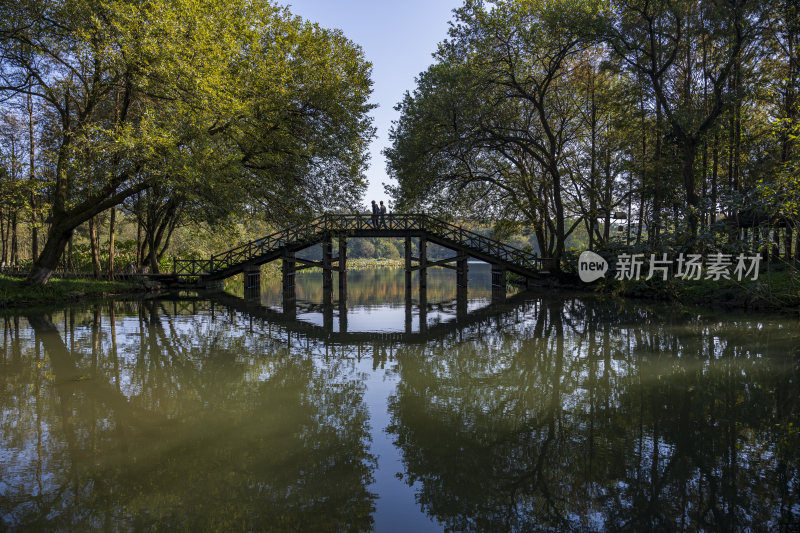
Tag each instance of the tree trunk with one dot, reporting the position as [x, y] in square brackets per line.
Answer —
[541, 240]
[630, 205]
[787, 243]
[57, 238]
[797, 243]
[776, 244]
[4, 237]
[607, 199]
[714, 174]
[152, 254]
[656, 229]
[593, 167]
[704, 219]
[111, 243]
[32, 178]
[642, 210]
[94, 240]
[139, 245]
[689, 154]
[14, 241]
[559, 206]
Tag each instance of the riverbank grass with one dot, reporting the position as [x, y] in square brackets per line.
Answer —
[14, 292]
[778, 289]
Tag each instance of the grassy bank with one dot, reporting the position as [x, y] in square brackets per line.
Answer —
[273, 269]
[772, 290]
[14, 292]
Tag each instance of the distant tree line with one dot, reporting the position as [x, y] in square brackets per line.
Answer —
[678, 116]
[173, 112]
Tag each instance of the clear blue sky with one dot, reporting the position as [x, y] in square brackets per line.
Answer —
[398, 37]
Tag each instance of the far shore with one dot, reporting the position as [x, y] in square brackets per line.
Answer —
[773, 291]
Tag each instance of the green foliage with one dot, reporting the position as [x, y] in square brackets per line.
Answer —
[486, 132]
[557, 115]
[206, 106]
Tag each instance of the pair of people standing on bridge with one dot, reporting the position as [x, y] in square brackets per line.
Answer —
[378, 215]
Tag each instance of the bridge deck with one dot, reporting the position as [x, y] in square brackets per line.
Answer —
[296, 238]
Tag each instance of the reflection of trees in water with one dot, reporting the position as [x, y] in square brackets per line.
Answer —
[178, 421]
[587, 416]
[381, 286]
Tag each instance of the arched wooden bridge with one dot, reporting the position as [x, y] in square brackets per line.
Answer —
[286, 243]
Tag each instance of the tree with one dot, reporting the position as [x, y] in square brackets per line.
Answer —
[241, 97]
[501, 94]
[661, 40]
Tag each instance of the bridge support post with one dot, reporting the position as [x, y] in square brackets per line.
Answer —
[462, 281]
[423, 284]
[408, 268]
[287, 283]
[252, 282]
[423, 263]
[342, 269]
[499, 280]
[327, 315]
[409, 311]
[409, 304]
[423, 309]
[327, 264]
[342, 316]
[342, 284]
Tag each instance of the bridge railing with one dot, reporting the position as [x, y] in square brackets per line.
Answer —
[446, 230]
[482, 243]
[191, 267]
[290, 236]
[345, 223]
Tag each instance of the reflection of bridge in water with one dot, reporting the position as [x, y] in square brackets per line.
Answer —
[326, 331]
[284, 245]
[494, 315]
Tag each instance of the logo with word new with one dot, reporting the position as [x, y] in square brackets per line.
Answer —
[591, 266]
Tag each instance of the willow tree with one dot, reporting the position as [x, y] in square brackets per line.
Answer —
[187, 95]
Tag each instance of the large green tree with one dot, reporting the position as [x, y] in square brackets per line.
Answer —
[500, 101]
[553, 113]
[240, 100]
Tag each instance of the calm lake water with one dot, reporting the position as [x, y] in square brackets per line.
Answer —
[547, 412]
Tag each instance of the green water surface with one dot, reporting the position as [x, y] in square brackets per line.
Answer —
[554, 412]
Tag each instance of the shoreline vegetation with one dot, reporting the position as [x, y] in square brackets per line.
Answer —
[14, 292]
[777, 290]
[772, 291]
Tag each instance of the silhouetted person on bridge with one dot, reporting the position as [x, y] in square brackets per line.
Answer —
[375, 212]
[383, 215]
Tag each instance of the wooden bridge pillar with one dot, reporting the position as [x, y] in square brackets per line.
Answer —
[423, 309]
[408, 269]
[462, 282]
[499, 280]
[409, 302]
[327, 264]
[342, 269]
[423, 263]
[409, 310]
[423, 284]
[252, 282]
[343, 316]
[327, 315]
[287, 283]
